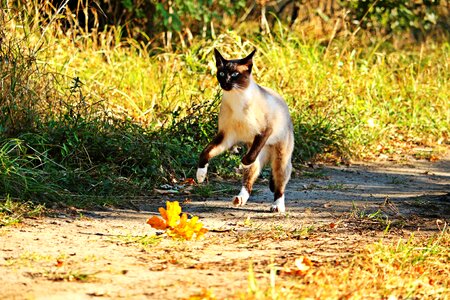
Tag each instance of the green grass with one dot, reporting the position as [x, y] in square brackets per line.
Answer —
[351, 98]
[97, 114]
[411, 268]
[51, 268]
[146, 242]
[13, 212]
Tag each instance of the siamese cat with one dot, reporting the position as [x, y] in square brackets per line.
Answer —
[258, 117]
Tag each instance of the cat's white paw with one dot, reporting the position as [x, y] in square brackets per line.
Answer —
[242, 166]
[201, 174]
[242, 198]
[278, 205]
[239, 201]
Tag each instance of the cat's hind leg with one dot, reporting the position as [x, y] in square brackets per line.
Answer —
[280, 181]
[281, 173]
[250, 175]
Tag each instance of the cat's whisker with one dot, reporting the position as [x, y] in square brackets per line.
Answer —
[239, 87]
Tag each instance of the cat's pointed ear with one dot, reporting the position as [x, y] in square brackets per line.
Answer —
[220, 61]
[248, 60]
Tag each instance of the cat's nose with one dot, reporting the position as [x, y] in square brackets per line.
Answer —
[227, 86]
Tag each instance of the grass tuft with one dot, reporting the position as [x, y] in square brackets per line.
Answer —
[13, 212]
[412, 268]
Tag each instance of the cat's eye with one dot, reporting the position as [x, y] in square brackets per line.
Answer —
[221, 74]
[235, 74]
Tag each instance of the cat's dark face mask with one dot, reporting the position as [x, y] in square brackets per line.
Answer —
[233, 74]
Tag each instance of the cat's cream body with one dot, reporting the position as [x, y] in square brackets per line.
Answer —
[246, 113]
[258, 117]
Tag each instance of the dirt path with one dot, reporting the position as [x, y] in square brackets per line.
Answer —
[332, 212]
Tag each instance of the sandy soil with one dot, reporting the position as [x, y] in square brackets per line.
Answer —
[331, 212]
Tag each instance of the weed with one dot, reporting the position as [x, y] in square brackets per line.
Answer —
[319, 174]
[68, 275]
[213, 189]
[278, 232]
[303, 231]
[13, 211]
[377, 218]
[45, 264]
[145, 241]
[204, 190]
[20, 173]
[330, 187]
[28, 259]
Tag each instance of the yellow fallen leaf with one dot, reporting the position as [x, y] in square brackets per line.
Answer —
[172, 214]
[188, 228]
[193, 227]
[177, 226]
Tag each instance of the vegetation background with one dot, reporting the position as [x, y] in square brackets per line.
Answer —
[104, 99]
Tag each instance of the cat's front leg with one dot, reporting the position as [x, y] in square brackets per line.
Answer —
[218, 145]
[258, 144]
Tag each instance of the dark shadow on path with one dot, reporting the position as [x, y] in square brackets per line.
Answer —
[411, 196]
